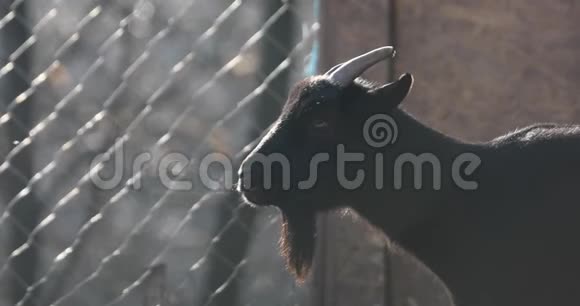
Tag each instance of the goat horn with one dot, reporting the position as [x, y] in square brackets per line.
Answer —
[331, 70]
[350, 70]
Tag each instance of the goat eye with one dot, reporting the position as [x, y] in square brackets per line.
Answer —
[319, 123]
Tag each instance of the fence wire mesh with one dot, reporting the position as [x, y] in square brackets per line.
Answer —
[88, 86]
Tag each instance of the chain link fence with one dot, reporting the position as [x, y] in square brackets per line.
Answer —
[90, 86]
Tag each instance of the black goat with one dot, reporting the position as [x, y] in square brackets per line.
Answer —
[498, 222]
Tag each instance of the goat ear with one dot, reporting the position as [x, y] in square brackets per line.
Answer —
[395, 92]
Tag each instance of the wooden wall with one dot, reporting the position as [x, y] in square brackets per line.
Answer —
[484, 67]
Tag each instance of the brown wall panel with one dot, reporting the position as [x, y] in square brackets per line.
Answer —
[484, 67]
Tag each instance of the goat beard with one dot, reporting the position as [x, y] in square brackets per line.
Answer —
[297, 240]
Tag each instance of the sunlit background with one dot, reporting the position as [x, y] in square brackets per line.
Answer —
[83, 78]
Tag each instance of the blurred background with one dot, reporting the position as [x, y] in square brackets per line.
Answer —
[85, 81]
